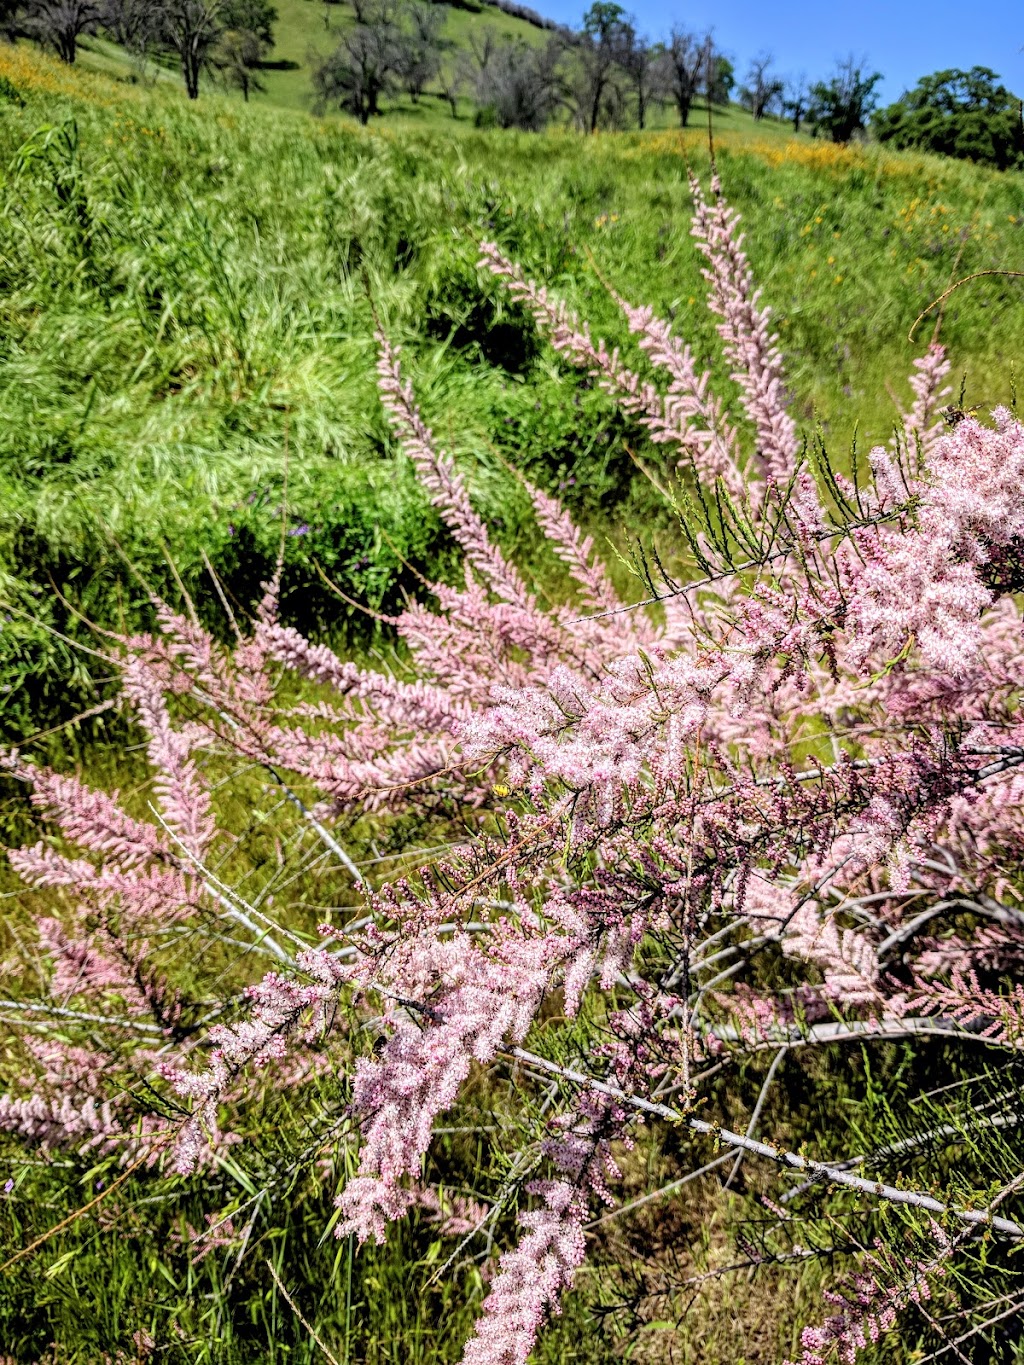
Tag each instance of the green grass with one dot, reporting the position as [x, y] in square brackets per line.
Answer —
[185, 300]
[185, 321]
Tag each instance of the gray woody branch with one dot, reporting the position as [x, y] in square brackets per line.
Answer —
[828, 1174]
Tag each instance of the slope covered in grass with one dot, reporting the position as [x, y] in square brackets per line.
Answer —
[186, 310]
[306, 30]
[186, 363]
[307, 27]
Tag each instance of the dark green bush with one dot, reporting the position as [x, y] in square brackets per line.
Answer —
[965, 114]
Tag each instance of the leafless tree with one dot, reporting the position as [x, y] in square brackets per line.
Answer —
[642, 65]
[796, 100]
[60, 23]
[131, 23]
[684, 65]
[191, 29]
[238, 57]
[364, 65]
[451, 80]
[523, 85]
[483, 42]
[763, 87]
[420, 45]
[601, 47]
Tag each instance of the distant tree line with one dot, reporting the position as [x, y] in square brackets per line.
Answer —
[229, 36]
[605, 75]
[966, 114]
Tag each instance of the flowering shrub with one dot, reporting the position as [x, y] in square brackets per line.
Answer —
[775, 804]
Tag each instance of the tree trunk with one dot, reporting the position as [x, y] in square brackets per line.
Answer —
[190, 72]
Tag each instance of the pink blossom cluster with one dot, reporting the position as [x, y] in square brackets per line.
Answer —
[870, 1305]
[745, 329]
[806, 752]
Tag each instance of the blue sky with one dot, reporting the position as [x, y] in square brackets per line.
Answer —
[904, 39]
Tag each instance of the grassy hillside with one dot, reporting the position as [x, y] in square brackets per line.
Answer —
[186, 297]
[301, 30]
[186, 355]
[306, 28]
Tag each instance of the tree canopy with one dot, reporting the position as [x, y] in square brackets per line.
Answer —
[965, 114]
[840, 106]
